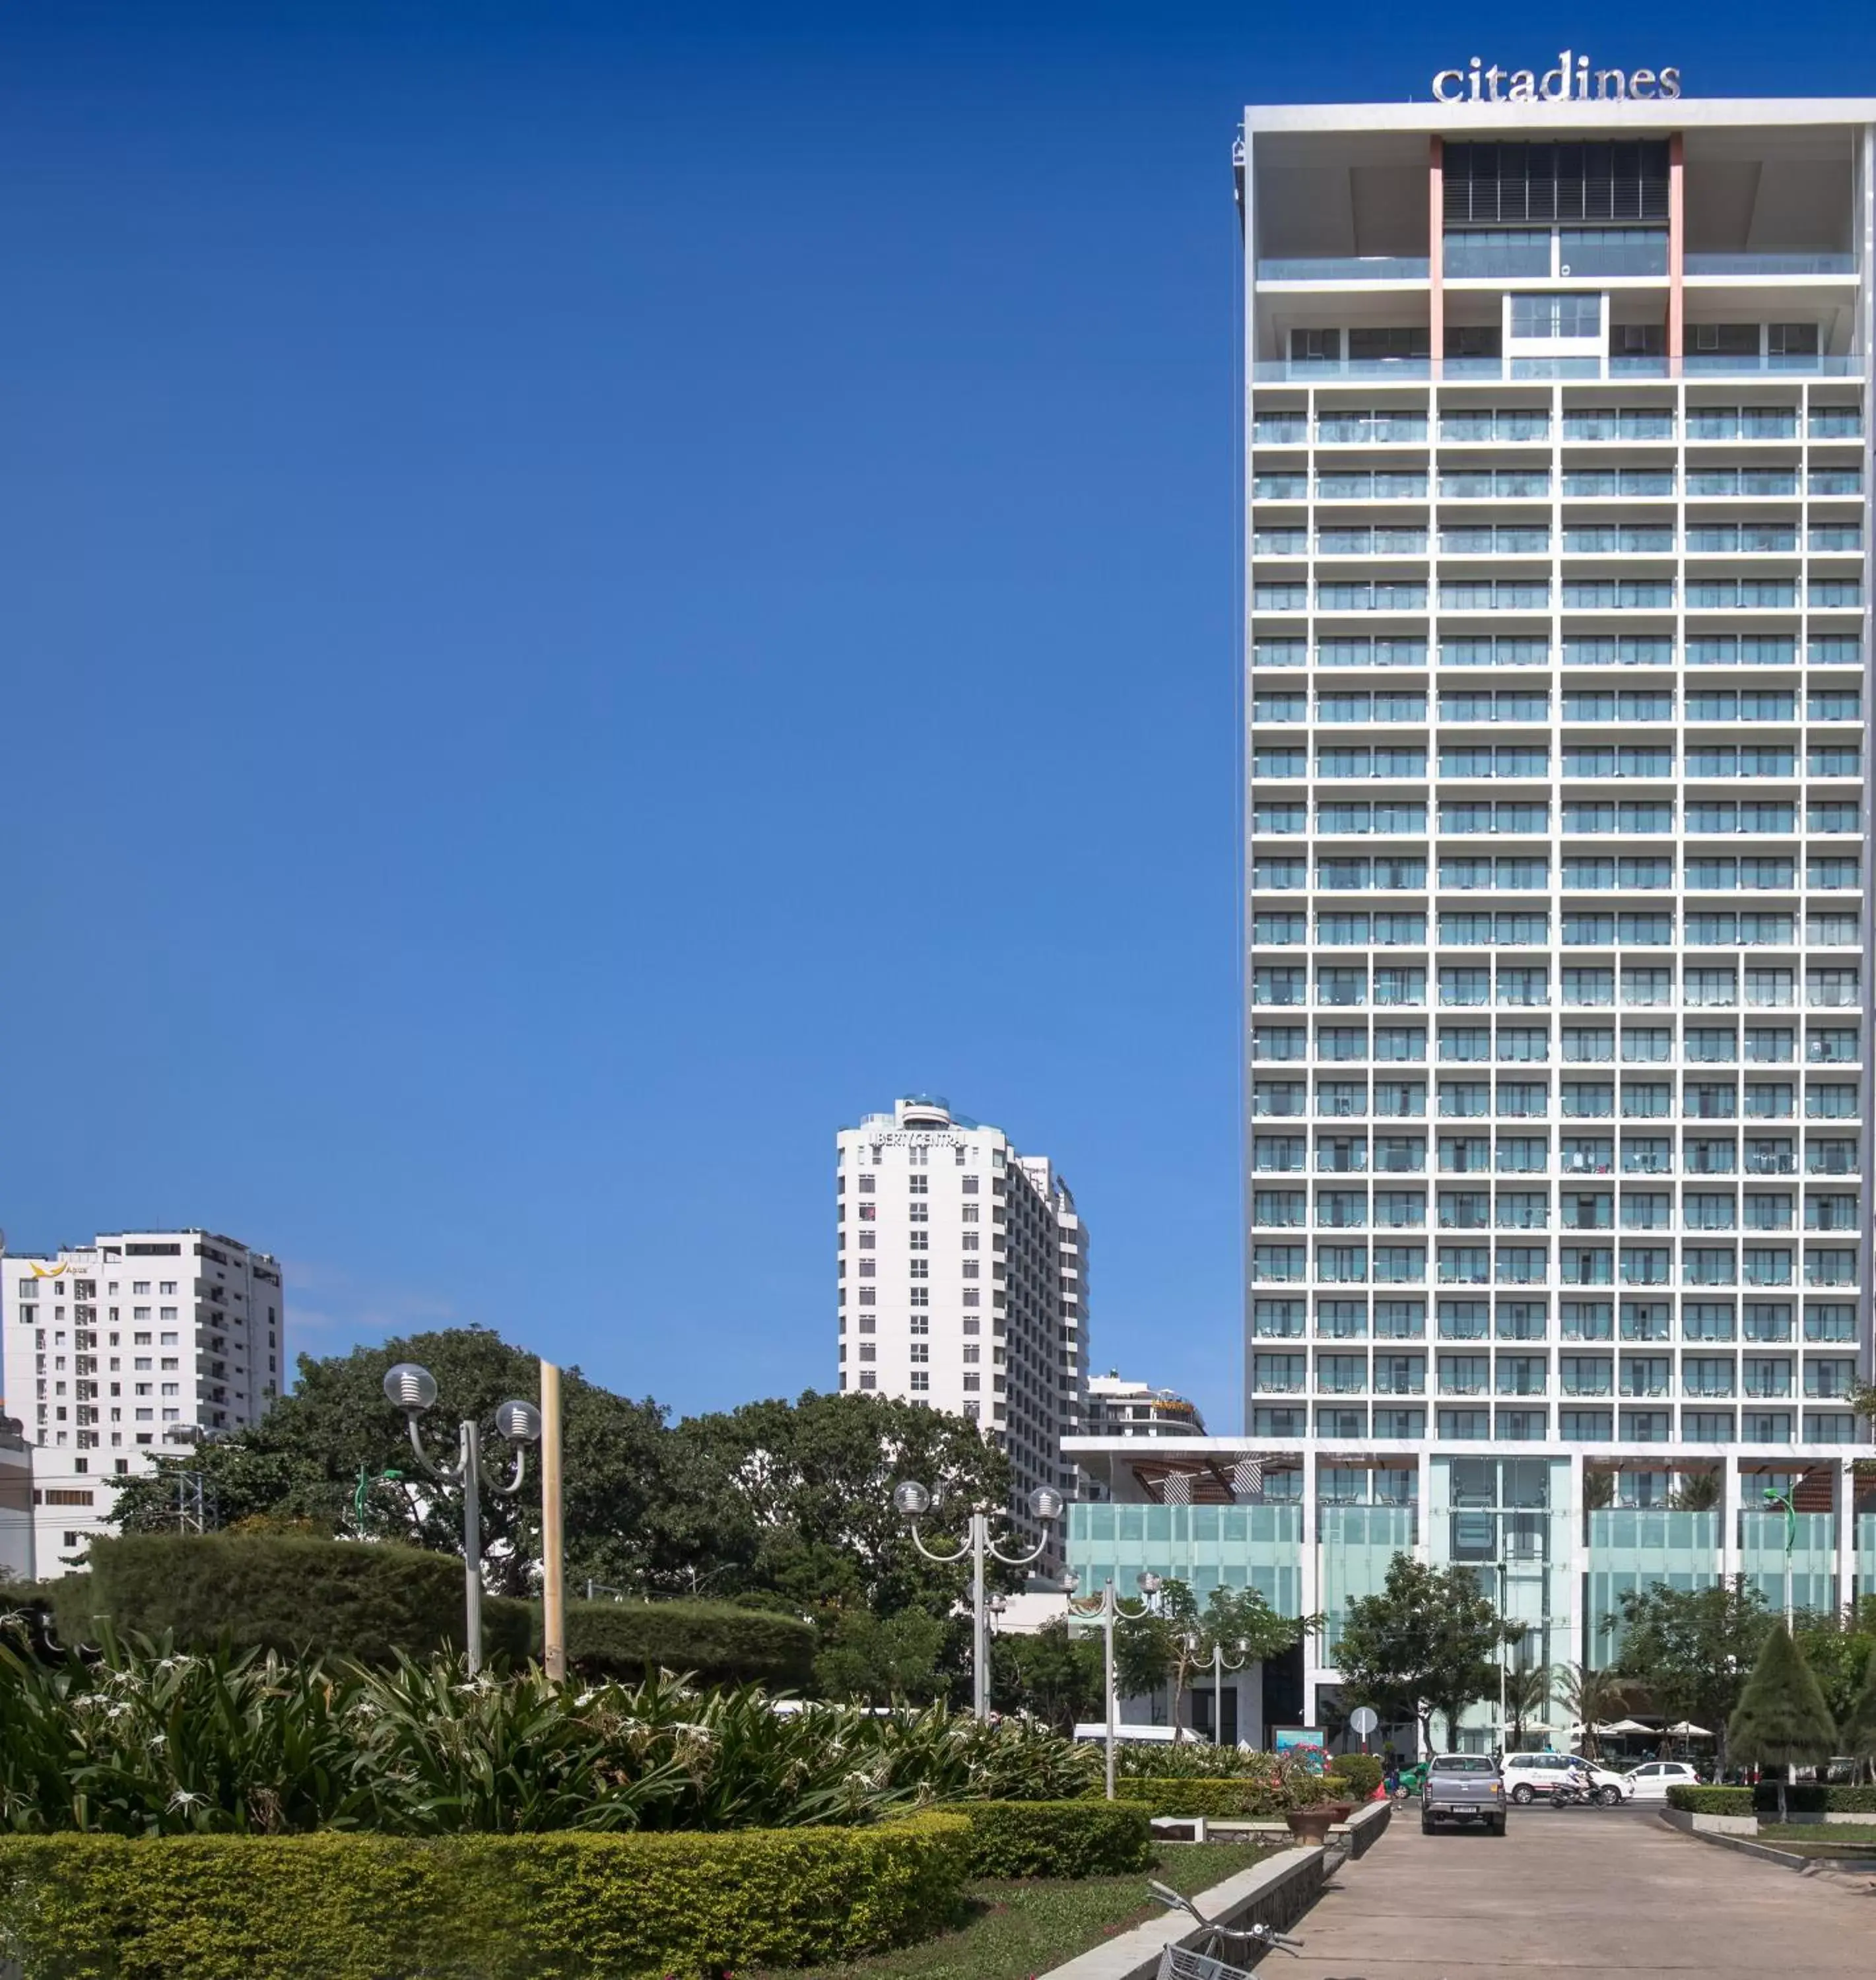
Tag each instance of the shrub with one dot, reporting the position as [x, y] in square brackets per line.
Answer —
[296, 1594]
[483, 1907]
[1362, 1771]
[716, 1642]
[1217, 1800]
[1058, 1839]
[132, 1741]
[1710, 1801]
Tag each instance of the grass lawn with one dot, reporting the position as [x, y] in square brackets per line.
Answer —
[1014, 1930]
[1805, 1839]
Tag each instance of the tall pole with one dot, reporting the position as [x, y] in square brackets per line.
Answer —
[980, 1617]
[1109, 1612]
[1217, 1694]
[552, 1552]
[472, 1545]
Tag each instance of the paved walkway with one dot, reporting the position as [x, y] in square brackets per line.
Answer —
[1578, 1891]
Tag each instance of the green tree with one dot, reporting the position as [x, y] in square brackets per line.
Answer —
[874, 1659]
[631, 1519]
[807, 1486]
[1781, 1720]
[1591, 1697]
[1692, 1648]
[1838, 1650]
[1856, 1725]
[1527, 1697]
[1238, 1621]
[1049, 1672]
[1428, 1642]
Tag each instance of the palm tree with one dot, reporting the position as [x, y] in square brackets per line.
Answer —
[1695, 1492]
[1527, 1697]
[1590, 1697]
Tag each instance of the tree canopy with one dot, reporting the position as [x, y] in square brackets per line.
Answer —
[788, 1504]
[1693, 1648]
[1428, 1642]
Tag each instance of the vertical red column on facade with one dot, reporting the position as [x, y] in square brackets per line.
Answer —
[1677, 242]
[1435, 230]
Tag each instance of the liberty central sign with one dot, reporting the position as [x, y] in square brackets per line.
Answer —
[1572, 80]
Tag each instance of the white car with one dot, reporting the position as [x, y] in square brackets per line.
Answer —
[1527, 1775]
[1652, 1780]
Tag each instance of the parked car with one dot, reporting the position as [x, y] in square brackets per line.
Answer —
[1463, 1787]
[1652, 1780]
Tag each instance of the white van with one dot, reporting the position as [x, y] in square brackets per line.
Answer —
[1527, 1775]
[1143, 1736]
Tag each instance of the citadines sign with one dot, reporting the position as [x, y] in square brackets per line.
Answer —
[1572, 80]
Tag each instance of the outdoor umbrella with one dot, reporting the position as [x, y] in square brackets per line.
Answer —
[1624, 1725]
[1687, 1729]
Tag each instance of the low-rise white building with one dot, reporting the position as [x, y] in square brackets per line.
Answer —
[1119, 1407]
[139, 1343]
[962, 1281]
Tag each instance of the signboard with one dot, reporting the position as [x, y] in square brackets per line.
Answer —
[1310, 1744]
[1363, 1720]
[1572, 80]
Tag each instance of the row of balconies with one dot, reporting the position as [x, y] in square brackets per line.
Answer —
[1771, 652]
[1423, 481]
[1500, 428]
[1588, 1424]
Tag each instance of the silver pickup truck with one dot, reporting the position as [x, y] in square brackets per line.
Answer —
[1462, 1787]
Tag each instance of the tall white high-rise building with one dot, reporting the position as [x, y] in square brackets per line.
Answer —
[139, 1343]
[962, 1282]
[1559, 981]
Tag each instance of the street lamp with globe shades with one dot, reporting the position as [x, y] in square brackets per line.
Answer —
[1106, 1610]
[413, 1390]
[1221, 1663]
[914, 1501]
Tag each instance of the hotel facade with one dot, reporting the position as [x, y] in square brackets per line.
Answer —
[1557, 980]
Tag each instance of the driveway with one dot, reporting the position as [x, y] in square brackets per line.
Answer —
[1578, 1890]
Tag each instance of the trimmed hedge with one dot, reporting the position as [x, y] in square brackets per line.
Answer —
[1058, 1839]
[1812, 1798]
[567, 1907]
[718, 1641]
[1215, 1799]
[1710, 1801]
[287, 1591]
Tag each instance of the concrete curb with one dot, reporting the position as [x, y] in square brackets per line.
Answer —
[1277, 1892]
[1785, 1858]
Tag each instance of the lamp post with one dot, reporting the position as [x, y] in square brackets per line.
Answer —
[413, 1390]
[913, 1501]
[1775, 1500]
[1107, 1612]
[1220, 1664]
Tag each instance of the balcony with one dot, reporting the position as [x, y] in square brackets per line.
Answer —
[1345, 268]
[1769, 264]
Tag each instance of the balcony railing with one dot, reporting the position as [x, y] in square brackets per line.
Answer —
[1770, 265]
[1345, 268]
[1695, 365]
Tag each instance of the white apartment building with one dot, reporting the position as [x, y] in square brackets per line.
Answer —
[136, 1344]
[962, 1281]
[1559, 981]
[1116, 1407]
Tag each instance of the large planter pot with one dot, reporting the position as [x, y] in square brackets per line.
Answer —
[1312, 1824]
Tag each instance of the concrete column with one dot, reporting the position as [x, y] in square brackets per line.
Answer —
[1846, 1494]
[1577, 1555]
[1677, 245]
[1312, 1664]
[1729, 1518]
[1435, 249]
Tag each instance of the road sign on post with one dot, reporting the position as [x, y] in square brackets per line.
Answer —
[1361, 1722]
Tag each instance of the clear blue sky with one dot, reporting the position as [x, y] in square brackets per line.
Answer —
[593, 591]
